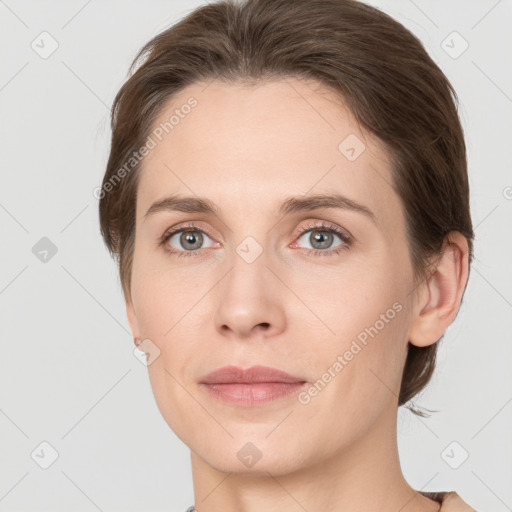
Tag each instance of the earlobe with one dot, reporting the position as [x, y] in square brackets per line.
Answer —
[132, 320]
[441, 293]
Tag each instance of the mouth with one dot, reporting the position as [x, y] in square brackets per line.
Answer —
[252, 386]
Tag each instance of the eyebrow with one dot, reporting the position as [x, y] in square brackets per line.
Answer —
[189, 204]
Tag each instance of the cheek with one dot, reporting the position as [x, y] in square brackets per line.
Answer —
[344, 299]
[160, 295]
[169, 310]
[360, 360]
[359, 375]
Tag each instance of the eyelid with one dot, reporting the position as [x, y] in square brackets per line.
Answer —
[322, 225]
[184, 226]
[180, 228]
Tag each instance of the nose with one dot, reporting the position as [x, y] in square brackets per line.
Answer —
[249, 301]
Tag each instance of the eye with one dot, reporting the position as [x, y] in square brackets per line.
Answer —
[187, 240]
[321, 238]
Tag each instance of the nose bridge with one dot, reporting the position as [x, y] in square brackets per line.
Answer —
[249, 245]
[250, 249]
[248, 267]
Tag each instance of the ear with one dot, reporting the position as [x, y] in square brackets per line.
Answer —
[132, 320]
[438, 298]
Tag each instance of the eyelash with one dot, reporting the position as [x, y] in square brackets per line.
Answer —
[325, 227]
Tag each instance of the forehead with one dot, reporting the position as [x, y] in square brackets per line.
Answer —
[247, 146]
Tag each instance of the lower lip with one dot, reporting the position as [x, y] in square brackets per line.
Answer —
[252, 394]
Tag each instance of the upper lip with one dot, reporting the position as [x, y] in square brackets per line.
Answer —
[254, 374]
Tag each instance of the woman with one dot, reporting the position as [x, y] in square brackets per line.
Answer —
[287, 198]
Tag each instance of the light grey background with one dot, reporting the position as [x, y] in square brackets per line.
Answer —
[68, 373]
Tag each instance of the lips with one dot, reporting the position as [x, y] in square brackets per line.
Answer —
[251, 387]
[252, 375]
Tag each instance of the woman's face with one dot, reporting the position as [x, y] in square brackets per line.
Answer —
[265, 280]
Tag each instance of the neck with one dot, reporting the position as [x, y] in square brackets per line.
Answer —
[365, 476]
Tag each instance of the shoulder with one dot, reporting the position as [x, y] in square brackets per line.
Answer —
[450, 501]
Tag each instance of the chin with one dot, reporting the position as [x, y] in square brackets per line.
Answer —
[255, 454]
[276, 464]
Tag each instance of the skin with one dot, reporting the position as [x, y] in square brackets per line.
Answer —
[247, 148]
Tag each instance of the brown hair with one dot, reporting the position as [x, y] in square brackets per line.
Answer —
[377, 67]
